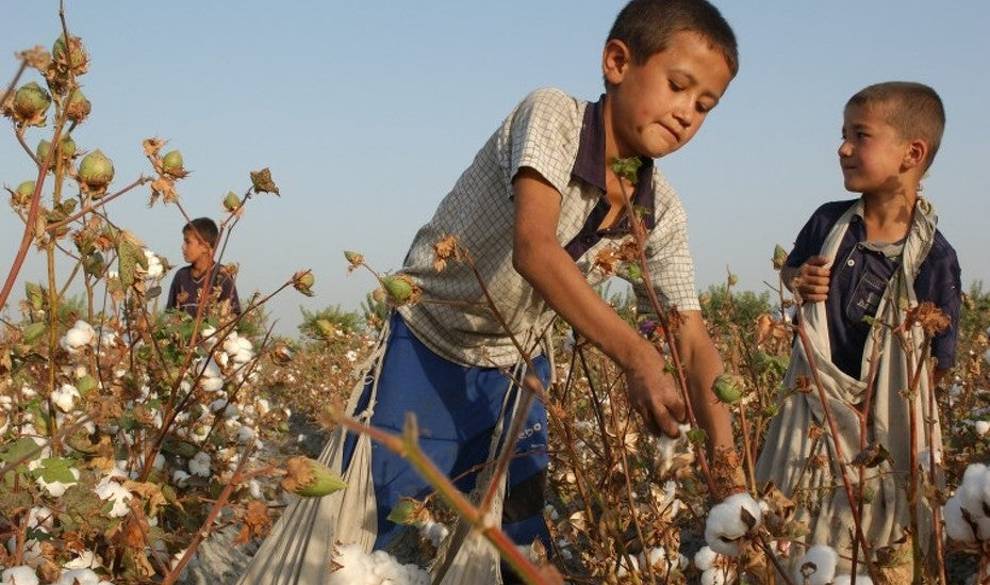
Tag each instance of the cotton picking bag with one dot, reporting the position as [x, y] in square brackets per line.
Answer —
[822, 501]
[298, 549]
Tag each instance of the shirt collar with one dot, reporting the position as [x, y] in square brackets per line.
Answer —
[589, 166]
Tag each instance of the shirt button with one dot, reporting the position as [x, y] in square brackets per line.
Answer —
[850, 262]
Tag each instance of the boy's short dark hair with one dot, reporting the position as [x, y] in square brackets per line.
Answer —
[206, 228]
[913, 109]
[645, 26]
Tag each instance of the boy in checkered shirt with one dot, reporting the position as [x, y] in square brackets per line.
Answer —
[534, 209]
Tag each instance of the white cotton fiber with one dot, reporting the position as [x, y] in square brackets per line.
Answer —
[818, 564]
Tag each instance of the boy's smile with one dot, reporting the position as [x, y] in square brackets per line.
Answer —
[872, 152]
[655, 107]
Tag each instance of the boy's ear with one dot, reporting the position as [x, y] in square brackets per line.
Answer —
[616, 59]
[915, 154]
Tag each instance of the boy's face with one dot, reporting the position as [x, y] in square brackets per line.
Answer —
[193, 247]
[659, 105]
[872, 155]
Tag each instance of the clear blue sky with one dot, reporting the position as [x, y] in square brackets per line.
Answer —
[367, 112]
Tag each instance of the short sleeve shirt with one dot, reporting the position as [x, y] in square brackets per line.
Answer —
[563, 139]
[860, 273]
[184, 292]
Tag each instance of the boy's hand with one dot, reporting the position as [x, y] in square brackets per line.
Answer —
[654, 395]
[812, 279]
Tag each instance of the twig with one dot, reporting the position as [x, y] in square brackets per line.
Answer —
[407, 447]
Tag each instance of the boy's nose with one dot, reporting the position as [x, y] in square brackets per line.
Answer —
[845, 149]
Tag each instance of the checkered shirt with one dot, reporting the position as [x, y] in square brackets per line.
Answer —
[545, 132]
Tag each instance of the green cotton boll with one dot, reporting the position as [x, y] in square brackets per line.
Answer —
[22, 195]
[77, 58]
[31, 101]
[172, 164]
[728, 388]
[231, 202]
[779, 257]
[95, 170]
[399, 289]
[33, 332]
[78, 107]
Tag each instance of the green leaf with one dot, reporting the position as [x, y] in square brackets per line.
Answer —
[56, 469]
[627, 168]
[18, 450]
[85, 384]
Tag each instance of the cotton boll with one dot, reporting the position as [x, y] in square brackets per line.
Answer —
[211, 384]
[86, 560]
[22, 575]
[200, 464]
[653, 557]
[704, 559]
[982, 427]
[818, 564]
[180, 477]
[108, 489]
[956, 526]
[725, 523]
[65, 397]
[627, 565]
[847, 580]
[32, 551]
[245, 344]
[971, 491]
[263, 406]
[80, 577]
[40, 517]
[715, 576]
[245, 434]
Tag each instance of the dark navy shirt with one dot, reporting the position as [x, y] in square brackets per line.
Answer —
[859, 277]
[184, 285]
[589, 166]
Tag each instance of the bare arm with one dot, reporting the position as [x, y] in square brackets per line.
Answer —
[541, 260]
[702, 365]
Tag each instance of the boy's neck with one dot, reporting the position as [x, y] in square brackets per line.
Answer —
[202, 265]
[887, 215]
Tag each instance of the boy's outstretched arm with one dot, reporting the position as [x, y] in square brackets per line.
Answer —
[540, 259]
[702, 365]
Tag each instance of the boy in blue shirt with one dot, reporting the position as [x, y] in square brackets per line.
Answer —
[199, 238]
[862, 267]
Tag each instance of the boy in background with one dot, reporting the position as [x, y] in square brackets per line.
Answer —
[199, 238]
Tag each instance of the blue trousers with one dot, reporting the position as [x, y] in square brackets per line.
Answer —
[456, 408]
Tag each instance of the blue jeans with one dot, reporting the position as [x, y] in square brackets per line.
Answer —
[456, 408]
